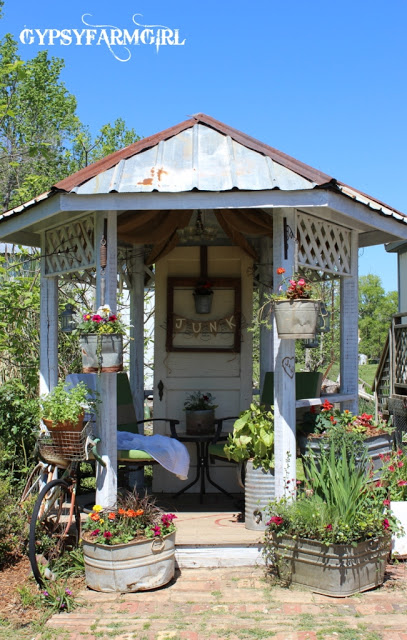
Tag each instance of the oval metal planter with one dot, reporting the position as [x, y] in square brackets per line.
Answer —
[376, 446]
[200, 422]
[296, 318]
[259, 490]
[101, 353]
[337, 570]
[126, 568]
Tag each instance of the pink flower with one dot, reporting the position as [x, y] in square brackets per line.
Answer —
[112, 318]
[402, 483]
[107, 534]
[399, 452]
[97, 318]
[391, 467]
[379, 484]
[386, 524]
[328, 527]
[386, 503]
[275, 520]
[301, 282]
[293, 283]
[157, 530]
[400, 464]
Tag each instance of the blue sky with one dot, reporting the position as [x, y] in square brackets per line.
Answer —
[323, 82]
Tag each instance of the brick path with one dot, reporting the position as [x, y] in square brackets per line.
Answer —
[237, 604]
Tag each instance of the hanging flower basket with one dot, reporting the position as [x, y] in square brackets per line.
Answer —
[101, 353]
[296, 318]
[203, 302]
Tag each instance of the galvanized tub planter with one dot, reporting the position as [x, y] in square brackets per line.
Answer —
[101, 353]
[399, 544]
[259, 490]
[200, 422]
[126, 568]
[296, 318]
[338, 570]
[376, 447]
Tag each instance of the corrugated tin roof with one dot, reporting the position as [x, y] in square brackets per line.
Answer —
[205, 154]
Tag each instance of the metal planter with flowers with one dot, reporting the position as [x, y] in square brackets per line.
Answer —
[101, 341]
[200, 413]
[129, 549]
[295, 311]
[203, 296]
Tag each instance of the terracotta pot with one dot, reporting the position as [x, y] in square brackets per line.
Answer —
[66, 437]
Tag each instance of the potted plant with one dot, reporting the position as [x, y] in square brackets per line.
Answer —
[335, 537]
[360, 433]
[252, 442]
[63, 409]
[392, 487]
[101, 341]
[200, 413]
[295, 310]
[130, 548]
[203, 295]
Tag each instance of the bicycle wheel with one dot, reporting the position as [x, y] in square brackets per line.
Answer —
[35, 481]
[52, 531]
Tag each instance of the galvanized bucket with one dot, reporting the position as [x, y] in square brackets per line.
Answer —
[296, 318]
[203, 302]
[259, 490]
[200, 422]
[126, 568]
[101, 353]
[337, 570]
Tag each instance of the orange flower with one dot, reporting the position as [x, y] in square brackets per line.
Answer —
[139, 512]
[95, 517]
[122, 512]
[112, 516]
[130, 513]
[280, 270]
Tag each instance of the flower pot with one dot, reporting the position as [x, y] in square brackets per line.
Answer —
[399, 545]
[376, 447]
[203, 302]
[259, 490]
[296, 318]
[200, 422]
[66, 437]
[101, 353]
[126, 568]
[338, 570]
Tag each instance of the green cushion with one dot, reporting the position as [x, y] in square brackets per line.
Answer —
[219, 451]
[134, 454]
[126, 416]
[307, 385]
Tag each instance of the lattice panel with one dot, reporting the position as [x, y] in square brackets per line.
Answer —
[71, 247]
[323, 245]
[400, 359]
[383, 384]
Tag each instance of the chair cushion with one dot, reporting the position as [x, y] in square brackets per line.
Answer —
[134, 454]
[218, 450]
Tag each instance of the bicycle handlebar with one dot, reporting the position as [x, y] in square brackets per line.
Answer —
[97, 457]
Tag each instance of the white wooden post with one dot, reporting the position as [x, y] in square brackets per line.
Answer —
[48, 328]
[106, 477]
[284, 363]
[349, 329]
[266, 335]
[137, 331]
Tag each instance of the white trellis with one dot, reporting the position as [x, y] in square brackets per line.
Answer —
[71, 247]
[323, 245]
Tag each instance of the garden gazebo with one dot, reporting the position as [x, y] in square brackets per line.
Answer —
[201, 200]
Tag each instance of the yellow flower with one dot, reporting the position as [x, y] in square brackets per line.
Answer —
[97, 508]
[101, 521]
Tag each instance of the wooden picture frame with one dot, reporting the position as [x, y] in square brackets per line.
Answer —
[231, 328]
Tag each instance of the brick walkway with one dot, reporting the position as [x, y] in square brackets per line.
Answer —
[237, 604]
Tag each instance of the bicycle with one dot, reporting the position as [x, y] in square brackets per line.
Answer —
[55, 523]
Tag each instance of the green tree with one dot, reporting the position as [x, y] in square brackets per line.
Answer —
[376, 308]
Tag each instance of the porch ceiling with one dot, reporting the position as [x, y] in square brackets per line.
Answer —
[202, 163]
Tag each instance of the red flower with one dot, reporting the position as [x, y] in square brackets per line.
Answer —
[112, 318]
[402, 483]
[328, 527]
[157, 530]
[280, 270]
[107, 534]
[391, 467]
[327, 406]
[399, 452]
[386, 524]
[386, 503]
[97, 318]
[379, 484]
[276, 520]
[95, 532]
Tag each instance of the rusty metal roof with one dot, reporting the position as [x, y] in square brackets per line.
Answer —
[204, 154]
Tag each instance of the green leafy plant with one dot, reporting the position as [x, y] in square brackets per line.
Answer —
[199, 401]
[253, 437]
[65, 404]
[103, 322]
[13, 525]
[136, 518]
[58, 597]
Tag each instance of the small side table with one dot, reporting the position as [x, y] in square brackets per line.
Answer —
[202, 443]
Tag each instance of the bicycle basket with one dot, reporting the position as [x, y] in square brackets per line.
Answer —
[61, 447]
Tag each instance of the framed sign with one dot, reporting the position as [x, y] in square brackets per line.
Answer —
[216, 331]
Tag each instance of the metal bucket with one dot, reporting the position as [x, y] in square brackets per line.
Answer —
[126, 568]
[296, 318]
[110, 358]
[203, 302]
[337, 570]
[200, 422]
[259, 490]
